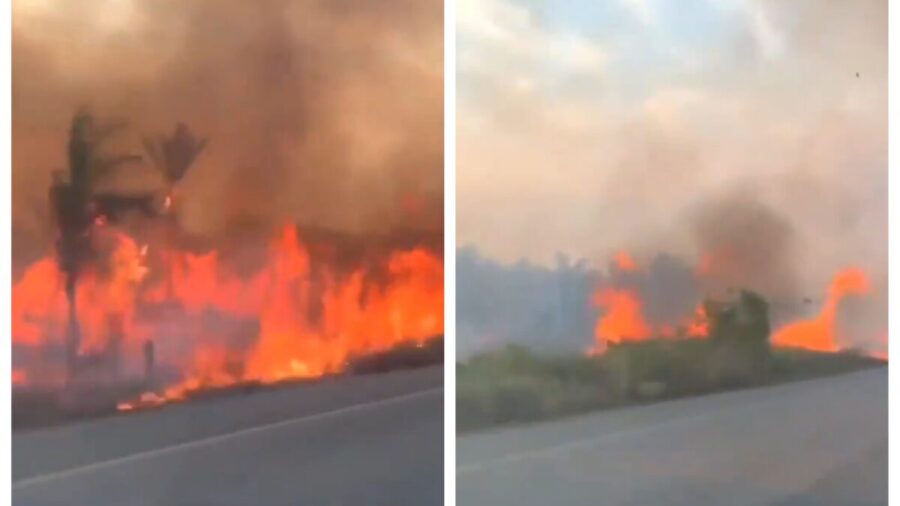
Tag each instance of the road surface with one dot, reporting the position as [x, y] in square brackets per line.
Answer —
[820, 442]
[367, 440]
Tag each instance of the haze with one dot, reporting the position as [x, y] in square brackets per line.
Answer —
[590, 127]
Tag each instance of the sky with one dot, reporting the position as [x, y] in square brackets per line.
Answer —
[588, 127]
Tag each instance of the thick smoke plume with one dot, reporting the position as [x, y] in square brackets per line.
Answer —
[745, 244]
[323, 113]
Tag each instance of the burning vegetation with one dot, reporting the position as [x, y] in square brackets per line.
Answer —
[124, 304]
[727, 342]
[823, 333]
[664, 329]
[622, 317]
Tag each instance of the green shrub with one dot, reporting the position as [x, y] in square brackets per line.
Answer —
[514, 384]
[680, 366]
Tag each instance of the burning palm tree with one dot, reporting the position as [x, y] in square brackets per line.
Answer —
[173, 155]
[77, 205]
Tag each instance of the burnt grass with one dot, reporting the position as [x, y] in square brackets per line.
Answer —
[515, 385]
[34, 408]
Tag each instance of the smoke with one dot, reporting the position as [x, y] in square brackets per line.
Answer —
[746, 245]
[668, 287]
[545, 308]
[758, 146]
[743, 243]
[323, 113]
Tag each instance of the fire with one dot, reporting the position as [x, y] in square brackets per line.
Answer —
[625, 262]
[198, 282]
[623, 317]
[209, 369]
[356, 316]
[19, 377]
[623, 320]
[39, 305]
[698, 324]
[821, 333]
[704, 265]
[304, 320]
[36, 299]
[107, 301]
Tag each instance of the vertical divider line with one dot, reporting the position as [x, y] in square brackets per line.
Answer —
[893, 216]
[449, 252]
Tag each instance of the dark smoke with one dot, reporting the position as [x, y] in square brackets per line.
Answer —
[746, 245]
[323, 113]
[742, 244]
[667, 286]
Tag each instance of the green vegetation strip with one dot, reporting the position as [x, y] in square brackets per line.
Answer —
[514, 385]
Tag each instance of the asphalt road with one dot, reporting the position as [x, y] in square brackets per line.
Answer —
[820, 442]
[368, 440]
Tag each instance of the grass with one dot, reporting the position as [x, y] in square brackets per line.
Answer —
[515, 385]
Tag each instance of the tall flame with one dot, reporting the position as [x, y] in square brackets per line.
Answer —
[306, 323]
[623, 316]
[821, 333]
[623, 320]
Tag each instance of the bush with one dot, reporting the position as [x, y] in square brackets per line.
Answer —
[739, 331]
[680, 366]
[515, 385]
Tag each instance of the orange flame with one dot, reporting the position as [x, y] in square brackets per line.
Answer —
[821, 333]
[309, 323]
[698, 323]
[39, 305]
[198, 282]
[623, 320]
[625, 262]
[19, 377]
[704, 265]
[290, 345]
[36, 299]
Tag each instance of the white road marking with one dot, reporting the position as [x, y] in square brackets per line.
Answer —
[211, 440]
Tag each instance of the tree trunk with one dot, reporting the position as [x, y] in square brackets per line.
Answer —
[73, 330]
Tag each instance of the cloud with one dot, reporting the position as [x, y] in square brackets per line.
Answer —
[493, 32]
[642, 11]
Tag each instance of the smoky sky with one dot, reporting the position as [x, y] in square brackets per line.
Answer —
[321, 113]
[751, 131]
[598, 128]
